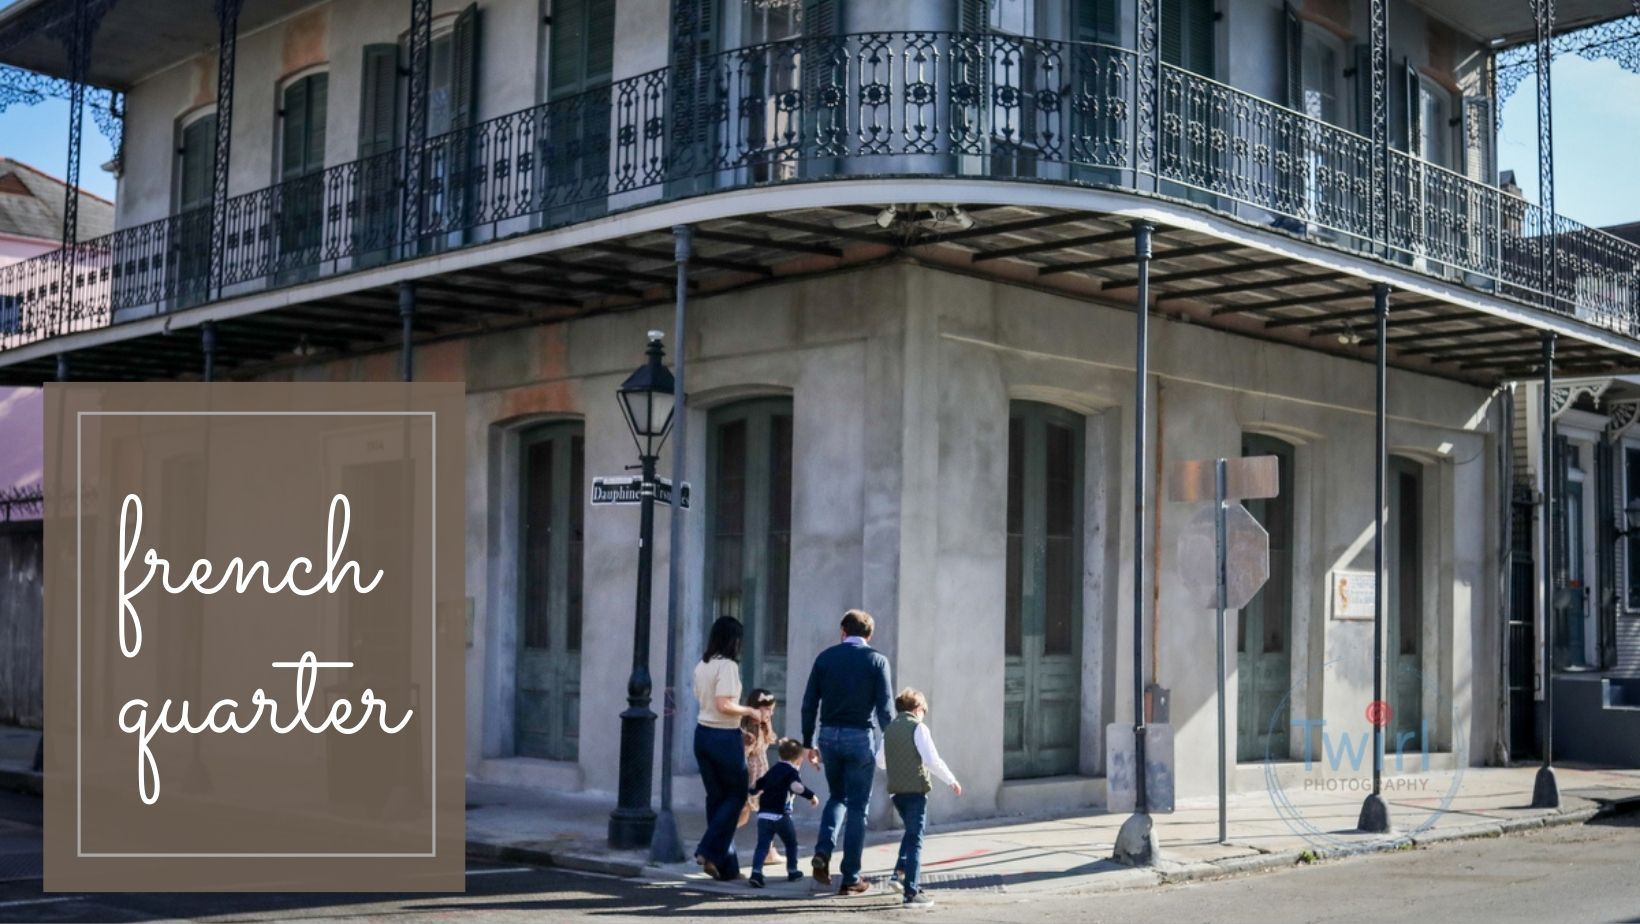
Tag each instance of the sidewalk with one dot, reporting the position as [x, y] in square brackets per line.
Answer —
[1023, 856]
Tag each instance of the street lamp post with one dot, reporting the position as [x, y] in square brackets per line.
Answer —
[646, 400]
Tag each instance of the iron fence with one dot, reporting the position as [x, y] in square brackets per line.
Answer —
[935, 104]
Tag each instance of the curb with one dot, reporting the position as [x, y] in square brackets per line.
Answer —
[543, 853]
[1236, 866]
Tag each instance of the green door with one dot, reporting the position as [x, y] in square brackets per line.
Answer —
[574, 134]
[1405, 613]
[550, 545]
[1043, 619]
[1264, 627]
[749, 459]
[299, 202]
[189, 266]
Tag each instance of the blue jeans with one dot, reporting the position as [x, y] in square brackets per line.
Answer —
[722, 762]
[913, 809]
[850, 766]
[766, 831]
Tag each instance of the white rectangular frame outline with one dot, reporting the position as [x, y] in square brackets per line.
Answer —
[79, 712]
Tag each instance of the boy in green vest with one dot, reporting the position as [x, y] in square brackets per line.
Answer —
[912, 761]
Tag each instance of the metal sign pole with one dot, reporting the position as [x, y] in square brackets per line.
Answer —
[1220, 478]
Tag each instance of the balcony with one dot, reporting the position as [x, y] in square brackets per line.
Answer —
[852, 107]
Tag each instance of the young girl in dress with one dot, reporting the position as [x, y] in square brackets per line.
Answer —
[758, 734]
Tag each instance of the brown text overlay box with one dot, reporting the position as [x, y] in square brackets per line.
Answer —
[169, 474]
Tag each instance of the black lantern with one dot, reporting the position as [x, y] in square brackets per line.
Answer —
[646, 400]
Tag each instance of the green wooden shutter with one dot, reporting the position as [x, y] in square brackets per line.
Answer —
[582, 46]
[600, 47]
[566, 45]
[1363, 90]
[293, 131]
[318, 112]
[198, 152]
[464, 68]
[379, 99]
[822, 17]
[1096, 21]
[971, 16]
[1292, 42]
[1605, 549]
[1199, 26]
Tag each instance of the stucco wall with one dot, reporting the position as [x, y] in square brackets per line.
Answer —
[901, 378]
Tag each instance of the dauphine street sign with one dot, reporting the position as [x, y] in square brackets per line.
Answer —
[628, 489]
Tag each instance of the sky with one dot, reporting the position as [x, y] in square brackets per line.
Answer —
[1597, 131]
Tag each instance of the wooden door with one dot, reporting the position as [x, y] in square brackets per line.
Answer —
[1264, 626]
[1043, 620]
[552, 506]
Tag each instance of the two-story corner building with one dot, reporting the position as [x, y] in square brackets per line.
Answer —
[911, 335]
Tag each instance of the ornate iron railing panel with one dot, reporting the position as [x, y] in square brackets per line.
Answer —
[873, 104]
[1221, 140]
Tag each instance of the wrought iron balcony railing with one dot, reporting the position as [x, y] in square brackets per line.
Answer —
[874, 104]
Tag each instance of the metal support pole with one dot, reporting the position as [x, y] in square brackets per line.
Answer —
[667, 846]
[632, 824]
[62, 367]
[407, 316]
[227, 19]
[1222, 579]
[1543, 12]
[207, 344]
[78, 43]
[1374, 811]
[415, 122]
[1381, 182]
[1545, 789]
[1136, 842]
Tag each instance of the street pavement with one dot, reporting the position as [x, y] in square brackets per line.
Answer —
[1569, 873]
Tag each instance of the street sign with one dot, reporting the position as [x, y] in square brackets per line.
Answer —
[623, 490]
[1247, 556]
[1224, 540]
[1246, 478]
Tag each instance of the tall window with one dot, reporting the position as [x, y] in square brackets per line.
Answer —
[551, 543]
[1043, 587]
[575, 139]
[375, 227]
[749, 529]
[1631, 548]
[195, 179]
[304, 107]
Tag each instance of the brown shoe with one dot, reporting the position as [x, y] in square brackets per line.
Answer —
[822, 868]
[857, 888]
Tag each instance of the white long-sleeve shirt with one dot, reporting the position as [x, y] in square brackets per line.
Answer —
[924, 739]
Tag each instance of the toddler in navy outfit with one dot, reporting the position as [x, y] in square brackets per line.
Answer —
[774, 809]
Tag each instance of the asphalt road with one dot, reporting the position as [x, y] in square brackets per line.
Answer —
[1584, 873]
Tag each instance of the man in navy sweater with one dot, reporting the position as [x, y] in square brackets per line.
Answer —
[849, 687]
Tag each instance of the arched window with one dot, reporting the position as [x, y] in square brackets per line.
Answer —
[550, 543]
[1043, 615]
[749, 517]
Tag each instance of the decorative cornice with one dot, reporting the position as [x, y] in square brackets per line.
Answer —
[1624, 413]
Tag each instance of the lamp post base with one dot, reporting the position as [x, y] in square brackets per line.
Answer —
[631, 829]
[666, 846]
[1545, 789]
[1374, 815]
[1136, 842]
